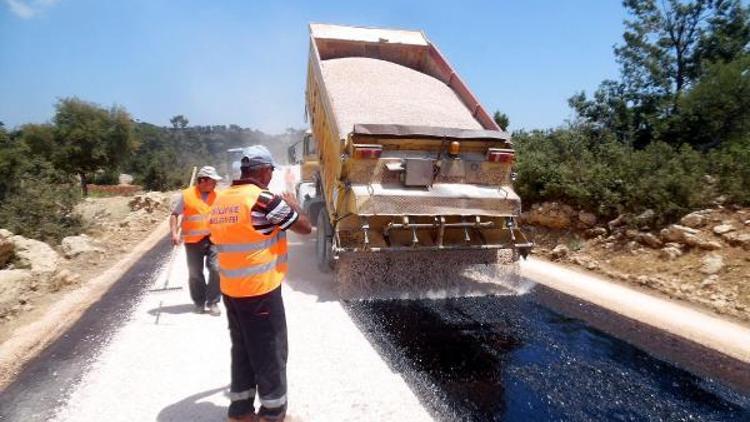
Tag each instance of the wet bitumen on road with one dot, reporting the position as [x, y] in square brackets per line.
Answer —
[509, 358]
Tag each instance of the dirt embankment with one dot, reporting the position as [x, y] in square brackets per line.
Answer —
[34, 275]
[703, 260]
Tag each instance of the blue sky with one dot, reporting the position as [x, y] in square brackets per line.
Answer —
[244, 62]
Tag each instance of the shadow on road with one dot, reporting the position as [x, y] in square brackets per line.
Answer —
[192, 409]
[185, 308]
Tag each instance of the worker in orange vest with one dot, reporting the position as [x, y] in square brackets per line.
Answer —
[193, 205]
[248, 225]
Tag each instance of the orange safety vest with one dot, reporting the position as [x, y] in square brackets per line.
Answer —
[195, 215]
[250, 263]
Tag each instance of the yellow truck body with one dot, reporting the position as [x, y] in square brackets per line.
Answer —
[406, 158]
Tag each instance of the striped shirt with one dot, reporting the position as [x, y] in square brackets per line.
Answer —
[270, 211]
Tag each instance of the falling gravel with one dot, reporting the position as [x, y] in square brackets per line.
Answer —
[428, 274]
[371, 91]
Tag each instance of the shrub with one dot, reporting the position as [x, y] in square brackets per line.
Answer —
[591, 170]
[731, 165]
[41, 210]
[106, 177]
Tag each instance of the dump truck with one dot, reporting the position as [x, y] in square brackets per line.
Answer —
[403, 159]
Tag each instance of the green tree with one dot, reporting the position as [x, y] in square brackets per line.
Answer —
[730, 35]
[717, 109]
[40, 140]
[91, 138]
[14, 161]
[179, 122]
[501, 119]
[668, 45]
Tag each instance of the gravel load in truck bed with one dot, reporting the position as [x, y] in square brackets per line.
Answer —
[371, 91]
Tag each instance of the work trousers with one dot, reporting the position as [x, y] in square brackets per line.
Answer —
[257, 328]
[199, 254]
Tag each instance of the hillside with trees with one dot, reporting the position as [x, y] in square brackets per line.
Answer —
[45, 168]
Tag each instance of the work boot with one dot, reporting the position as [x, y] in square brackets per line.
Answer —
[271, 415]
[241, 411]
[199, 309]
[214, 309]
[247, 418]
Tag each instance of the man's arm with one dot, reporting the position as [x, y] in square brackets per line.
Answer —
[174, 220]
[282, 211]
[174, 227]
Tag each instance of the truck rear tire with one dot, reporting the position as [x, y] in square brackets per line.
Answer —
[324, 242]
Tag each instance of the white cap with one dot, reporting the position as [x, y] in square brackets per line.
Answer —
[208, 171]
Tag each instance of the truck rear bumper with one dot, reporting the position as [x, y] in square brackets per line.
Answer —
[440, 199]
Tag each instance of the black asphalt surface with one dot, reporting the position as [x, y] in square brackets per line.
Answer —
[45, 382]
[513, 359]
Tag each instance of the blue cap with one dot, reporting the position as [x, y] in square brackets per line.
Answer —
[257, 156]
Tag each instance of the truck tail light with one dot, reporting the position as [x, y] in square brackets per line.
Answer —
[454, 149]
[363, 151]
[498, 155]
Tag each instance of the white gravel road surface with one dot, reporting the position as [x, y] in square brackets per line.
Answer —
[169, 364]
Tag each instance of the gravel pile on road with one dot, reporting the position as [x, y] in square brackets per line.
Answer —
[365, 90]
[427, 274]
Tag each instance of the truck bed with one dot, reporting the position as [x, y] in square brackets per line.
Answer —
[372, 91]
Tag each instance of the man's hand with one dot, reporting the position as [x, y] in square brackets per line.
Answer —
[291, 200]
[302, 225]
[176, 239]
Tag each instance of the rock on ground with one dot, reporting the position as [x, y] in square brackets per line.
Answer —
[550, 214]
[149, 201]
[649, 240]
[693, 220]
[13, 283]
[670, 253]
[37, 256]
[712, 264]
[738, 239]
[560, 251]
[586, 218]
[723, 228]
[6, 247]
[73, 246]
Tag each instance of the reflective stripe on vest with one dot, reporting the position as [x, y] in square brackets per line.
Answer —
[250, 263]
[251, 246]
[192, 233]
[254, 269]
[195, 214]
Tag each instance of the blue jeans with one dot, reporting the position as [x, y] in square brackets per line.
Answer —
[198, 253]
